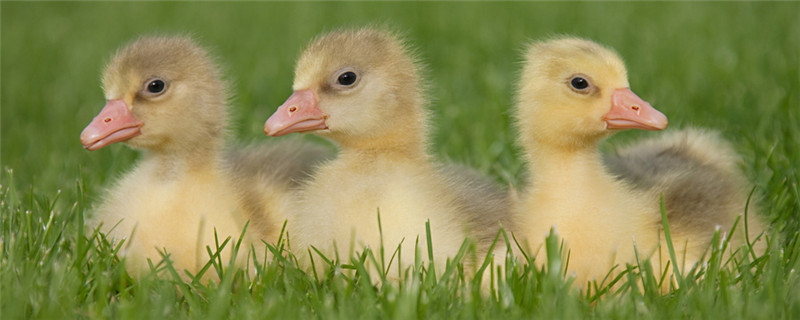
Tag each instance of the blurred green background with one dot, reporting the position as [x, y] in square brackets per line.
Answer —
[728, 66]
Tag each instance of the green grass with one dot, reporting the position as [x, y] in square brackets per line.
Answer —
[732, 67]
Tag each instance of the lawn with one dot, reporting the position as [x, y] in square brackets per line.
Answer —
[732, 67]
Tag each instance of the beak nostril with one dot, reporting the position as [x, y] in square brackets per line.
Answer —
[292, 109]
[635, 107]
[107, 120]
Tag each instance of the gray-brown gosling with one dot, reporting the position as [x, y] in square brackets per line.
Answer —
[362, 89]
[165, 96]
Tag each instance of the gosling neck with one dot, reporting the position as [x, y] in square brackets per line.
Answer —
[564, 167]
[186, 159]
[408, 143]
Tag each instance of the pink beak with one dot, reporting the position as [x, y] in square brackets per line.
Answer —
[114, 123]
[628, 111]
[298, 114]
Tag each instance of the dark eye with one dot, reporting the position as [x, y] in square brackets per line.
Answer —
[347, 79]
[156, 86]
[579, 83]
